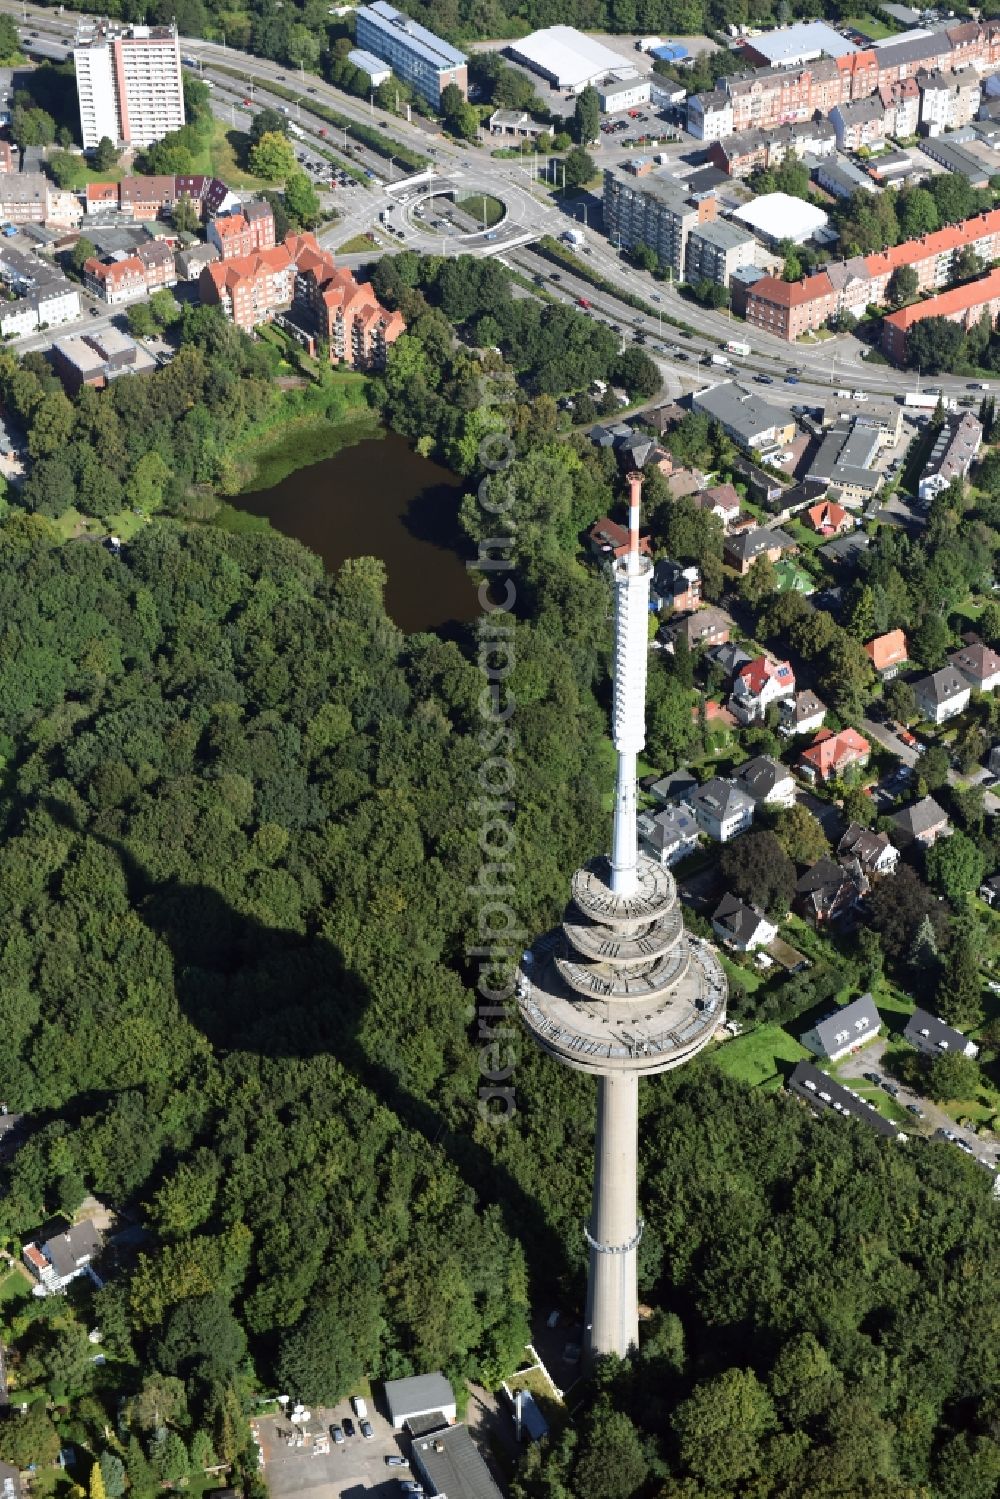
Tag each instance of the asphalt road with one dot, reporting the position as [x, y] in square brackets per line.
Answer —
[834, 362]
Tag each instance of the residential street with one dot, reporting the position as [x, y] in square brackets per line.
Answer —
[869, 1059]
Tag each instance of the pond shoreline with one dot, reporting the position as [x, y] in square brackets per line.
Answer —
[362, 491]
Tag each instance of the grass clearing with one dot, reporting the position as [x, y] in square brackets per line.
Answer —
[871, 27]
[484, 209]
[14, 1286]
[754, 1058]
[221, 156]
[361, 244]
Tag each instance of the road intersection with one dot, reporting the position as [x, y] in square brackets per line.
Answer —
[532, 211]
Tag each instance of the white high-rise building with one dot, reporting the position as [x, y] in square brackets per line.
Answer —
[129, 85]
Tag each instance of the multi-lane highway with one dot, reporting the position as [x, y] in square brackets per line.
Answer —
[532, 211]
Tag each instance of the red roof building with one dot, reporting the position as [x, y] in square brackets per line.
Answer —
[829, 519]
[790, 308]
[932, 255]
[964, 305]
[328, 302]
[609, 539]
[831, 754]
[235, 235]
[887, 652]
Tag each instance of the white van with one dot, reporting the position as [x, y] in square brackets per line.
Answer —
[359, 1407]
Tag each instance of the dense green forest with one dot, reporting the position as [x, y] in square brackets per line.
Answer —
[240, 873]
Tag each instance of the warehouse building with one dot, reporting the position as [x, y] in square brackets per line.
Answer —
[378, 71]
[775, 217]
[422, 1395]
[568, 59]
[617, 94]
[791, 46]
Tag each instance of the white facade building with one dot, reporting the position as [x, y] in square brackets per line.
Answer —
[568, 59]
[129, 86]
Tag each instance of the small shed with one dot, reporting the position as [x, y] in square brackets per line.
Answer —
[421, 1395]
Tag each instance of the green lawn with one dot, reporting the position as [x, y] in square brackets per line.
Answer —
[361, 244]
[871, 27]
[481, 206]
[14, 1286]
[221, 157]
[754, 1058]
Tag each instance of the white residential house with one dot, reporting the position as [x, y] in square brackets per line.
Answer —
[670, 835]
[942, 695]
[759, 684]
[979, 665]
[722, 809]
[62, 1258]
[802, 714]
[849, 1027]
[931, 1036]
[873, 852]
[740, 926]
[768, 781]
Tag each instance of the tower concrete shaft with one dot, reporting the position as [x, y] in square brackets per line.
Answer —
[620, 990]
[612, 1324]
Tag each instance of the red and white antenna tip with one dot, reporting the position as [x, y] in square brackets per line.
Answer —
[634, 501]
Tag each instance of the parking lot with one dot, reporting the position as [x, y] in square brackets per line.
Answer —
[349, 1471]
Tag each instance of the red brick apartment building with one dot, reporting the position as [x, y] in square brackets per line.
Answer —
[790, 308]
[962, 304]
[237, 235]
[325, 300]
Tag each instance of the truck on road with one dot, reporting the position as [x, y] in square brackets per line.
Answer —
[738, 346]
[721, 359]
[572, 237]
[919, 400]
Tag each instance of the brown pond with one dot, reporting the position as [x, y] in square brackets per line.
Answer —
[378, 498]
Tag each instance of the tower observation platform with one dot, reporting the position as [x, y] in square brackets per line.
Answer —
[620, 989]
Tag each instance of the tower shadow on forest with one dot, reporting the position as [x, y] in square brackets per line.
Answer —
[253, 989]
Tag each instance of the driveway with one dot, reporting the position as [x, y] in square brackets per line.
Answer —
[890, 741]
[869, 1059]
[355, 1468]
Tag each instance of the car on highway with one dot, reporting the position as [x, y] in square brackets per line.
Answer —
[684, 358]
[311, 91]
[791, 379]
[246, 104]
[764, 379]
[582, 302]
